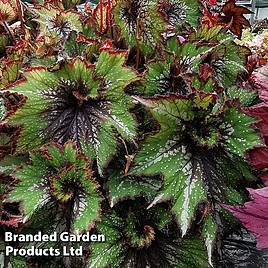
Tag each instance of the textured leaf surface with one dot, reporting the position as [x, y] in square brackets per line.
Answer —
[234, 16]
[10, 73]
[253, 215]
[180, 14]
[79, 102]
[140, 23]
[190, 174]
[239, 250]
[210, 234]
[2, 109]
[124, 187]
[246, 97]
[31, 178]
[8, 10]
[14, 262]
[209, 34]
[56, 22]
[232, 63]
[144, 238]
[243, 136]
[170, 75]
[61, 176]
[110, 252]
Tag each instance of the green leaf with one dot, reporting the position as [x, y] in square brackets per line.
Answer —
[62, 176]
[186, 197]
[10, 163]
[210, 35]
[156, 78]
[189, 160]
[2, 109]
[14, 261]
[242, 135]
[74, 48]
[245, 96]
[181, 14]
[128, 187]
[171, 75]
[226, 58]
[232, 62]
[79, 102]
[233, 197]
[188, 55]
[48, 61]
[111, 252]
[88, 212]
[193, 12]
[147, 231]
[4, 40]
[142, 31]
[192, 254]
[180, 182]
[68, 4]
[9, 73]
[57, 23]
[111, 67]
[209, 233]
[186, 52]
[31, 180]
[208, 86]
[172, 107]
[163, 155]
[161, 217]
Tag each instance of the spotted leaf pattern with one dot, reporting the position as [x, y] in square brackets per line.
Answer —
[62, 176]
[180, 14]
[123, 187]
[140, 22]
[186, 155]
[172, 75]
[79, 102]
[137, 239]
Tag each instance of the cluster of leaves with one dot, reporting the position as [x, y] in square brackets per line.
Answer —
[254, 213]
[134, 119]
[257, 41]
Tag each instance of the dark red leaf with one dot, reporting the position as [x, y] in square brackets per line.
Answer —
[259, 158]
[8, 139]
[206, 72]
[254, 215]
[209, 19]
[234, 18]
[264, 178]
[261, 81]
[260, 111]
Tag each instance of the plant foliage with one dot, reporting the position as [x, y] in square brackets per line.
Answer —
[141, 120]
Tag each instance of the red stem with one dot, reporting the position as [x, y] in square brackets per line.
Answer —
[20, 16]
[6, 27]
[108, 10]
[101, 15]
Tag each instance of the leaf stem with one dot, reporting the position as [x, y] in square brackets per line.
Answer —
[6, 27]
[18, 3]
[108, 12]
[138, 45]
[101, 15]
